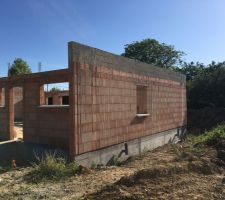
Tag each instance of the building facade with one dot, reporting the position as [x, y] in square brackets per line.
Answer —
[116, 106]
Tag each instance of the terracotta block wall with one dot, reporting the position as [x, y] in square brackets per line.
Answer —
[41, 124]
[17, 100]
[3, 118]
[104, 92]
[3, 124]
[57, 96]
[103, 102]
[6, 117]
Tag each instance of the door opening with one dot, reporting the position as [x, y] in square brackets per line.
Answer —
[18, 112]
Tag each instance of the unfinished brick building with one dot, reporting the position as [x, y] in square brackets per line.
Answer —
[57, 97]
[116, 105]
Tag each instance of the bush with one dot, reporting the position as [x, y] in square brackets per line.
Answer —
[51, 167]
[219, 131]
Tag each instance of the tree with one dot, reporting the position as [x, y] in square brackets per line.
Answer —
[54, 89]
[152, 52]
[191, 70]
[19, 67]
[205, 84]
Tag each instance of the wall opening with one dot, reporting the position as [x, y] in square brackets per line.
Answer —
[65, 100]
[2, 97]
[141, 99]
[55, 94]
[18, 112]
[49, 100]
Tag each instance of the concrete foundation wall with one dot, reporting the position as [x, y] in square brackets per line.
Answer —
[134, 147]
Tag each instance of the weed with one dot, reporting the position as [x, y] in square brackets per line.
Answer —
[198, 149]
[197, 143]
[55, 168]
[93, 165]
[219, 131]
[115, 160]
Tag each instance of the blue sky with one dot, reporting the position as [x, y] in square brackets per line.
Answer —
[38, 30]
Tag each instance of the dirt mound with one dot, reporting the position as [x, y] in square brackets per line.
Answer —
[219, 144]
[156, 182]
[168, 172]
[216, 142]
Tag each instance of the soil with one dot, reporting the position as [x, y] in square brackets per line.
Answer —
[169, 172]
[18, 128]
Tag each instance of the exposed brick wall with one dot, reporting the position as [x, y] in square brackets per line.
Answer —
[45, 125]
[106, 100]
[42, 125]
[56, 95]
[3, 116]
[3, 124]
[103, 102]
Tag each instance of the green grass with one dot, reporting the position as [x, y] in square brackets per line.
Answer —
[218, 131]
[198, 143]
[198, 150]
[53, 168]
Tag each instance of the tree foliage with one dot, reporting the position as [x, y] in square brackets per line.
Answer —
[205, 84]
[19, 67]
[54, 89]
[153, 52]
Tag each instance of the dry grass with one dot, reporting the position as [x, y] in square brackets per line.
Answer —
[51, 167]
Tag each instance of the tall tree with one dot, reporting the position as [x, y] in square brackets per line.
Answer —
[153, 52]
[19, 67]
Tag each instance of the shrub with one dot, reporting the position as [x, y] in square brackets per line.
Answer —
[198, 143]
[219, 131]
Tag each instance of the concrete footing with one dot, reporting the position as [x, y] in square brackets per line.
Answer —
[133, 147]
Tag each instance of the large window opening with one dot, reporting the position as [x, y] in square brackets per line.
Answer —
[54, 94]
[49, 100]
[142, 99]
[2, 97]
[65, 100]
